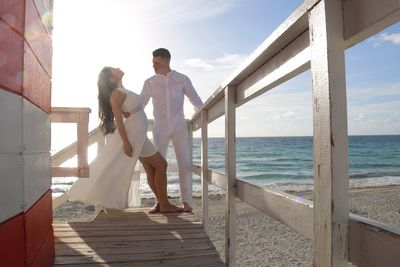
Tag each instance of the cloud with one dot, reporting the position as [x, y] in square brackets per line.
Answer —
[360, 117]
[227, 61]
[287, 115]
[172, 12]
[394, 38]
[197, 63]
[362, 95]
[385, 37]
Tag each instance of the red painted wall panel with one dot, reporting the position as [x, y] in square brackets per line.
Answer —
[12, 242]
[11, 59]
[46, 255]
[13, 13]
[38, 220]
[37, 37]
[37, 84]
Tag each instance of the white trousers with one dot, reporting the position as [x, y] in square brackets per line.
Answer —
[179, 138]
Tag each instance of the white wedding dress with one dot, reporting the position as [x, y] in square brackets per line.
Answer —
[113, 181]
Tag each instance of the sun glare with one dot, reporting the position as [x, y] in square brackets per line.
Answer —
[89, 35]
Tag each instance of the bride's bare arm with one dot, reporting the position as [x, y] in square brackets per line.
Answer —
[116, 100]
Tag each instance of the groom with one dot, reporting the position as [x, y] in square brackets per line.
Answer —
[167, 89]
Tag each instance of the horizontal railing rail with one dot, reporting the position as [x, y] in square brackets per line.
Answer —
[80, 116]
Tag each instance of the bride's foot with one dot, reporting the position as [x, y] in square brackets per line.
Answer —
[169, 208]
[186, 207]
[155, 209]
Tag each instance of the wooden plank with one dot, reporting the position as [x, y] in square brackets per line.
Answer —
[64, 117]
[13, 13]
[12, 253]
[364, 18]
[372, 243]
[170, 236]
[205, 259]
[293, 211]
[279, 69]
[11, 56]
[216, 110]
[153, 245]
[88, 250]
[214, 177]
[37, 37]
[204, 169]
[330, 135]
[128, 223]
[125, 232]
[38, 221]
[83, 140]
[193, 262]
[135, 246]
[71, 110]
[37, 84]
[94, 226]
[132, 257]
[230, 170]
[190, 144]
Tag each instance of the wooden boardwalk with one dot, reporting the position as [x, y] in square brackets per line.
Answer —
[134, 238]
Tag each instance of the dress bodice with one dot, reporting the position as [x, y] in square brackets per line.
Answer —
[132, 102]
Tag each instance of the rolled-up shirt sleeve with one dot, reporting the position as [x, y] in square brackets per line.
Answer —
[145, 94]
[192, 95]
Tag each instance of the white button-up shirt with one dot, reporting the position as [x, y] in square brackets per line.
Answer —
[167, 94]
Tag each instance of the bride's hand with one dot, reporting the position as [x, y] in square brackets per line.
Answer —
[128, 149]
[126, 114]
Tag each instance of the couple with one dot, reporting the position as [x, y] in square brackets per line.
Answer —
[112, 182]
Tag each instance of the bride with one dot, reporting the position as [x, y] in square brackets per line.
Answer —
[112, 172]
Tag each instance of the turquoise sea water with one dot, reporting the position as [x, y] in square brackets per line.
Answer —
[287, 163]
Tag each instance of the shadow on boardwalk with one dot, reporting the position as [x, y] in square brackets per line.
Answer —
[134, 238]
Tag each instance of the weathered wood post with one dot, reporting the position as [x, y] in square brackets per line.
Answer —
[230, 170]
[204, 167]
[331, 183]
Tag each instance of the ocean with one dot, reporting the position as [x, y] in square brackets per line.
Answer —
[283, 163]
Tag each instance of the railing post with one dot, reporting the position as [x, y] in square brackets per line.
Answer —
[190, 141]
[204, 168]
[230, 170]
[331, 183]
[83, 141]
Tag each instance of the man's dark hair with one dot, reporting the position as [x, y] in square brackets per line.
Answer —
[162, 52]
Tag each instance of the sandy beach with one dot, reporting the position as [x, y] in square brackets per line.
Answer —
[261, 240]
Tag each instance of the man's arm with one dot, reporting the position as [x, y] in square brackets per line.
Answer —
[191, 93]
[145, 94]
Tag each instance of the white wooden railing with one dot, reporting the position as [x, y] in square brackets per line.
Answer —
[80, 116]
[315, 36]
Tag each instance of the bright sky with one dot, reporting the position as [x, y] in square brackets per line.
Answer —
[208, 40]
